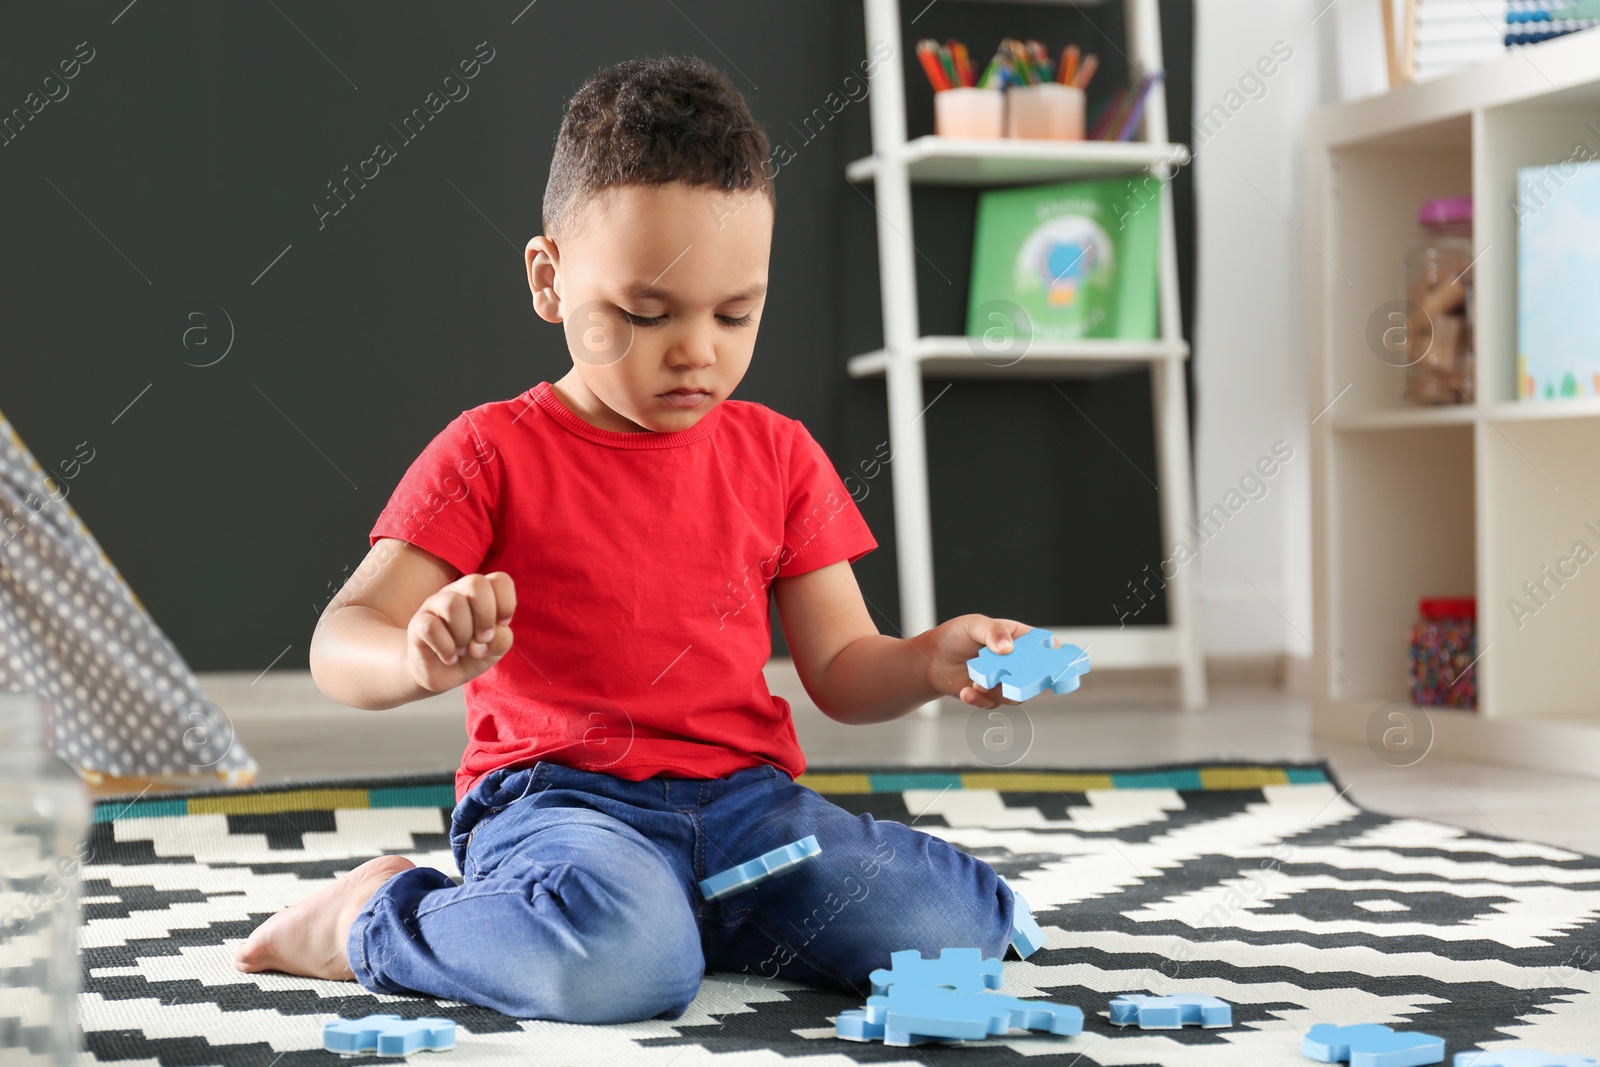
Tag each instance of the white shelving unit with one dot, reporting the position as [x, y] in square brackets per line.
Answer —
[907, 356]
[1468, 499]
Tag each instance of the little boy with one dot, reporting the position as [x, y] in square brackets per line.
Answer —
[592, 559]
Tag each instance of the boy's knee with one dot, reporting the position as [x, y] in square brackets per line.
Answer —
[930, 915]
[637, 957]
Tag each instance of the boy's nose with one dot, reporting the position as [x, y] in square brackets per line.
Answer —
[692, 352]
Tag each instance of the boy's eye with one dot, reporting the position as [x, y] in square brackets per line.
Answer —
[743, 320]
[643, 320]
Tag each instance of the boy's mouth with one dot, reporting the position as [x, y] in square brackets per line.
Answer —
[686, 398]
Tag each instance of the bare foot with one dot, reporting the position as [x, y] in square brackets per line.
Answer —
[308, 938]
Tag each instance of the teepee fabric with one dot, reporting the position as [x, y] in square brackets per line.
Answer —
[124, 702]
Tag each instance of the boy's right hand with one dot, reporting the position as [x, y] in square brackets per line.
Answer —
[461, 631]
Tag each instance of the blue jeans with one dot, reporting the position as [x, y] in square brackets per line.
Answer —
[580, 899]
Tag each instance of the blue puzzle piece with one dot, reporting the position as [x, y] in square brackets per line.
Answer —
[856, 1025]
[1027, 936]
[388, 1035]
[1170, 1012]
[1520, 1057]
[956, 1016]
[1372, 1045]
[1032, 666]
[747, 874]
[962, 969]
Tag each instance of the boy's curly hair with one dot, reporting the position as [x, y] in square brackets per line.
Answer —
[650, 122]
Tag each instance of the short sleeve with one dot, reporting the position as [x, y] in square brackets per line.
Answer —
[446, 502]
[822, 524]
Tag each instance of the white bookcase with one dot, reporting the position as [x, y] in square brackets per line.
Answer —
[907, 355]
[1468, 499]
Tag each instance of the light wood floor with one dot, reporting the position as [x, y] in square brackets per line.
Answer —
[295, 733]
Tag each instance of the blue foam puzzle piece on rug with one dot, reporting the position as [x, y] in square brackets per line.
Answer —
[1372, 1045]
[1520, 1057]
[742, 877]
[1027, 936]
[944, 1013]
[858, 1025]
[962, 969]
[1171, 1012]
[388, 1035]
[1031, 667]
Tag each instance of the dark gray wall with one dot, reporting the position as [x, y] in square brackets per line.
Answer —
[193, 149]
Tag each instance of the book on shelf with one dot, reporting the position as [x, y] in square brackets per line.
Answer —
[1558, 259]
[1066, 261]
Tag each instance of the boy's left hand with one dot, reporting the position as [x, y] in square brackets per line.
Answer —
[949, 645]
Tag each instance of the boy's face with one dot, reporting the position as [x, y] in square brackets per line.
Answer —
[660, 291]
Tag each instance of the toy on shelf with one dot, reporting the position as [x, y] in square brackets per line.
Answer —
[388, 1035]
[1027, 936]
[1033, 665]
[961, 969]
[1520, 1057]
[1372, 1045]
[743, 876]
[1170, 1012]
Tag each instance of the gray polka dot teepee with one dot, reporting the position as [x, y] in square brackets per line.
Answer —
[125, 704]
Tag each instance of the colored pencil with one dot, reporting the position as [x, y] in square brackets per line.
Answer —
[1069, 65]
[927, 53]
[1090, 64]
[1136, 111]
[1040, 57]
[958, 52]
[1019, 59]
[947, 63]
[1108, 112]
[991, 72]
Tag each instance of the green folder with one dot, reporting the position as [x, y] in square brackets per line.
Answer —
[1068, 261]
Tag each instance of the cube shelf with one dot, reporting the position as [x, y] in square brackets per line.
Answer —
[1495, 498]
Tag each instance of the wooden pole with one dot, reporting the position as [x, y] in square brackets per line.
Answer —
[1408, 51]
[1388, 43]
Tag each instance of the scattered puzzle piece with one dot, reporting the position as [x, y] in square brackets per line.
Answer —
[1170, 1012]
[747, 874]
[961, 969]
[1032, 666]
[1372, 1045]
[857, 1025]
[388, 1035]
[956, 1016]
[1520, 1057]
[1027, 936]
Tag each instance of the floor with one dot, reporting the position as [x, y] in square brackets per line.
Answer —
[296, 734]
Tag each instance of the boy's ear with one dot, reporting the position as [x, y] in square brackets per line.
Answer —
[542, 257]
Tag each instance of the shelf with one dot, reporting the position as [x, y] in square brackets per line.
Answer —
[1407, 418]
[1539, 410]
[1495, 499]
[954, 161]
[1559, 73]
[954, 357]
[1398, 513]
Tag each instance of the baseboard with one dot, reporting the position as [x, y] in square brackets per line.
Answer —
[1273, 672]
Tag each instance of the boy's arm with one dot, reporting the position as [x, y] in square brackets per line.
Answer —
[856, 675]
[408, 625]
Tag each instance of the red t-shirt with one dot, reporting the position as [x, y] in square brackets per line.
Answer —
[642, 563]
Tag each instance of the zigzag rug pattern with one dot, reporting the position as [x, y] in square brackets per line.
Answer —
[1265, 886]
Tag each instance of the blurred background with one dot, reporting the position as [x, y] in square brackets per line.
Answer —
[254, 361]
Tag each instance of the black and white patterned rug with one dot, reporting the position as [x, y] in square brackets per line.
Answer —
[1265, 886]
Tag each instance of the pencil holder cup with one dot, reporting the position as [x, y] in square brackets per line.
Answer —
[968, 112]
[1049, 111]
